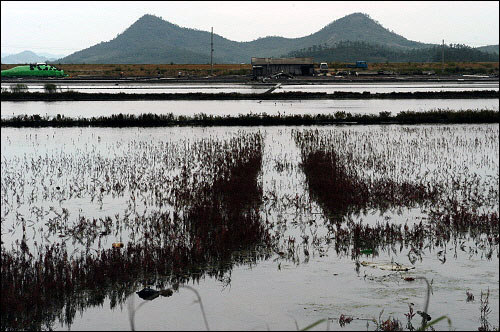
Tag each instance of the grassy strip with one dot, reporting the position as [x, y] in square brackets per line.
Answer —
[166, 120]
[72, 95]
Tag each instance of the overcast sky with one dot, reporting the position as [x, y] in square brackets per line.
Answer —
[65, 27]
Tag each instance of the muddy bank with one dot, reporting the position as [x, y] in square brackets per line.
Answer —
[70, 95]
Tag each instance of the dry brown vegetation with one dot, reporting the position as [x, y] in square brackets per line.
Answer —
[166, 70]
[172, 70]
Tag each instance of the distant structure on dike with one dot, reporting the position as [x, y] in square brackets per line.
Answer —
[292, 66]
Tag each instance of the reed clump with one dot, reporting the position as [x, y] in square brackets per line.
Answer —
[168, 120]
[346, 180]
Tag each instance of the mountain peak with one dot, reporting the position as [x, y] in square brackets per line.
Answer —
[26, 56]
[354, 18]
[358, 15]
[27, 52]
[149, 17]
[151, 23]
[361, 27]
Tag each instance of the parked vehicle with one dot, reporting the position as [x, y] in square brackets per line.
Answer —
[359, 64]
[323, 67]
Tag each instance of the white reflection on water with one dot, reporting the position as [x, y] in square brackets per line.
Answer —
[235, 107]
[256, 88]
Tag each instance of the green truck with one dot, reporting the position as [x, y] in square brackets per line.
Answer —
[36, 70]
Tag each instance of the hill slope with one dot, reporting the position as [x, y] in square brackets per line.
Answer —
[489, 49]
[348, 51]
[153, 40]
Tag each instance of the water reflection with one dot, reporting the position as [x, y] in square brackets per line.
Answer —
[347, 175]
[195, 203]
[210, 224]
[261, 88]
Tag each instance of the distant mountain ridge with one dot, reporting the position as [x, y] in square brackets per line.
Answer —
[29, 57]
[489, 49]
[153, 40]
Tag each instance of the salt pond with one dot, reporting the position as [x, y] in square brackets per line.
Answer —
[260, 88]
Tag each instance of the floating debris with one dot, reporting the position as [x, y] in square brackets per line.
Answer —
[148, 294]
[470, 296]
[166, 292]
[388, 266]
[424, 315]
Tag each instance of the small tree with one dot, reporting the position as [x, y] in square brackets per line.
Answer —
[50, 88]
[18, 88]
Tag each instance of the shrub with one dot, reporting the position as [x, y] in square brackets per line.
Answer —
[50, 88]
[19, 87]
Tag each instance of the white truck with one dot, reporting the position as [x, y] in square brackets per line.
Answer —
[323, 68]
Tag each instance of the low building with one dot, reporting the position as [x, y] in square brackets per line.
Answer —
[293, 66]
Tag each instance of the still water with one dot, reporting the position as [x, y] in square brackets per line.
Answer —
[256, 88]
[281, 291]
[235, 107]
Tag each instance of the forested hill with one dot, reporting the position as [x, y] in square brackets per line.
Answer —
[154, 40]
[349, 51]
[489, 49]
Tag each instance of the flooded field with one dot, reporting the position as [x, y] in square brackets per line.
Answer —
[261, 88]
[236, 107]
[273, 228]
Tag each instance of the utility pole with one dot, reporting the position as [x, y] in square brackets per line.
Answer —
[442, 59]
[212, 53]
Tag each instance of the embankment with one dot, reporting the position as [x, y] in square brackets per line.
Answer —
[71, 95]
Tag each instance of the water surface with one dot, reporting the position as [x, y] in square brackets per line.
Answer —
[235, 107]
[260, 88]
[269, 293]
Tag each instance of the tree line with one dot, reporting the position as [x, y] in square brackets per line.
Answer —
[350, 51]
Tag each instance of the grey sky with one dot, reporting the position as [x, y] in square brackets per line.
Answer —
[66, 27]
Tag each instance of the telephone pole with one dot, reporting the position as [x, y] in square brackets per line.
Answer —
[212, 53]
[442, 59]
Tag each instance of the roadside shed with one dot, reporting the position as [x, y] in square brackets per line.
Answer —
[293, 66]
